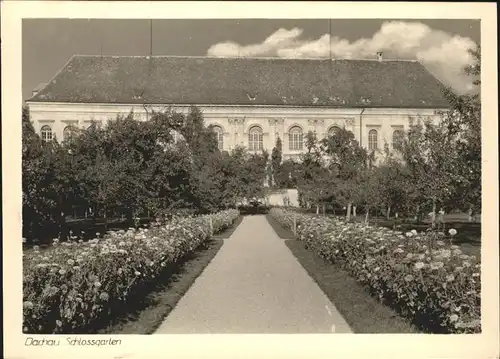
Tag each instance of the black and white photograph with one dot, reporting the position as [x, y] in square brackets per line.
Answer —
[238, 175]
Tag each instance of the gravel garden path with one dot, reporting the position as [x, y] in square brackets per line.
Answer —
[254, 285]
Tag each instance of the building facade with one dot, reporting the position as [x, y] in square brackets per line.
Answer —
[249, 101]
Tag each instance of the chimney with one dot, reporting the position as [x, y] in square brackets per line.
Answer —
[379, 56]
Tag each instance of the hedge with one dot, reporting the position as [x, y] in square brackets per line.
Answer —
[422, 275]
[73, 286]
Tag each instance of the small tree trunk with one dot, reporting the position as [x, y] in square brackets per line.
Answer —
[367, 214]
[324, 210]
[317, 209]
[105, 220]
[354, 211]
[295, 225]
[348, 212]
[433, 218]
[62, 225]
[388, 213]
[417, 213]
[470, 212]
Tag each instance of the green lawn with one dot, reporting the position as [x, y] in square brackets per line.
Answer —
[363, 312]
[147, 313]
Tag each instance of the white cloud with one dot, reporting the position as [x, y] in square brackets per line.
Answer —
[444, 54]
[279, 39]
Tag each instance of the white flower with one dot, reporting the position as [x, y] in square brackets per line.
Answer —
[28, 305]
[414, 232]
[419, 265]
[437, 265]
[453, 318]
[445, 253]
[409, 234]
[452, 231]
[450, 278]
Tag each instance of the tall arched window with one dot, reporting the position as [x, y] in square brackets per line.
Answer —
[295, 138]
[219, 136]
[372, 140]
[46, 133]
[255, 137]
[397, 139]
[333, 130]
[68, 133]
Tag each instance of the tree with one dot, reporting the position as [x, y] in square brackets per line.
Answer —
[312, 176]
[464, 120]
[430, 153]
[276, 158]
[346, 162]
[288, 173]
[48, 182]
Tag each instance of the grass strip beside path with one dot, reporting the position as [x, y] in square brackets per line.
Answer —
[281, 231]
[364, 313]
[148, 313]
[229, 231]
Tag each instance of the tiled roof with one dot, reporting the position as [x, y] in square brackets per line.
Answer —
[244, 81]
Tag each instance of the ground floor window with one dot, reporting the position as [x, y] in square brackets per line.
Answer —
[255, 139]
[373, 140]
[295, 138]
[46, 132]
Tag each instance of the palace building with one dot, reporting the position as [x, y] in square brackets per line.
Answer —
[248, 101]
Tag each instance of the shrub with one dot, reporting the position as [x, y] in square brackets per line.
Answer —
[72, 285]
[422, 275]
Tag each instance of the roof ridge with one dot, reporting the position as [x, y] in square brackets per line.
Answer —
[246, 58]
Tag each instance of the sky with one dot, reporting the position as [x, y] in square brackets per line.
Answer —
[440, 45]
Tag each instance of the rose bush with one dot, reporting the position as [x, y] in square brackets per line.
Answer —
[425, 277]
[72, 285]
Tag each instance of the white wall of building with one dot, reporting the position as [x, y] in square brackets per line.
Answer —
[237, 120]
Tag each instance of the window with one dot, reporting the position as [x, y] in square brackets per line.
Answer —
[68, 133]
[219, 133]
[397, 139]
[372, 140]
[255, 139]
[46, 132]
[333, 130]
[295, 138]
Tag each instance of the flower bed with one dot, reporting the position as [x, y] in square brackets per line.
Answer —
[73, 285]
[422, 275]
